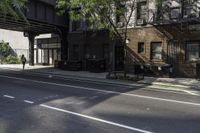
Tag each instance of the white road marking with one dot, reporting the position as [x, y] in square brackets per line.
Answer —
[79, 103]
[96, 119]
[106, 91]
[8, 96]
[191, 92]
[27, 101]
[162, 99]
[154, 86]
[176, 91]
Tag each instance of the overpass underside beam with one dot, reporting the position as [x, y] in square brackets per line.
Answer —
[10, 23]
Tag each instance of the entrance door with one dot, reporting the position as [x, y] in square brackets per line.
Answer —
[173, 52]
[174, 55]
[119, 58]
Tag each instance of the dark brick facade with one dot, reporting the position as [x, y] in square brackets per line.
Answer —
[90, 45]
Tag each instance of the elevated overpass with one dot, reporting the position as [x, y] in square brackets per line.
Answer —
[42, 18]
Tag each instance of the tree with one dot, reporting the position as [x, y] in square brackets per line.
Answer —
[102, 14]
[5, 51]
[13, 8]
[159, 3]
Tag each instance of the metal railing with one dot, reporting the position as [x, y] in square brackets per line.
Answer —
[183, 14]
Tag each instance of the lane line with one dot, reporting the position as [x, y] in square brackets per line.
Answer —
[178, 91]
[106, 91]
[96, 119]
[191, 92]
[79, 103]
[154, 86]
[27, 101]
[8, 96]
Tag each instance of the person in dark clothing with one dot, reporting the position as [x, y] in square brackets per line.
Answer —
[23, 60]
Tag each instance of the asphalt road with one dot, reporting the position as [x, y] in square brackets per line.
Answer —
[39, 104]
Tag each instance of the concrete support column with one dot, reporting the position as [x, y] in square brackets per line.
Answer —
[31, 38]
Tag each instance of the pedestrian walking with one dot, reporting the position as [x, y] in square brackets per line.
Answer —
[23, 60]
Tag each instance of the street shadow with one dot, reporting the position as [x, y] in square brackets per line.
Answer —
[33, 118]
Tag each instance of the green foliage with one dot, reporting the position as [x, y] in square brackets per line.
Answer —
[6, 54]
[12, 60]
[5, 51]
[99, 13]
[13, 8]
[159, 3]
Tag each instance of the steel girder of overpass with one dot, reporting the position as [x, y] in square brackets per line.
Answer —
[41, 15]
[42, 18]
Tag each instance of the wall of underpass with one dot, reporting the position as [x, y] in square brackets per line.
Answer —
[16, 40]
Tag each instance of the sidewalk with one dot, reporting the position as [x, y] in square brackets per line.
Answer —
[186, 83]
[55, 71]
[177, 82]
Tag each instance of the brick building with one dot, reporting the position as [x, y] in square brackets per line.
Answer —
[168, 36]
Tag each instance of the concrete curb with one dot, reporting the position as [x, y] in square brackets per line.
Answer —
[117, 82]
[68, 77]
[91, 79]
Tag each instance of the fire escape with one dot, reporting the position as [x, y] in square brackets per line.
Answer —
[176, 19]
[179, 15]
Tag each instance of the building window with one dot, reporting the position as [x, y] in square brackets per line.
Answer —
[193, 49]
[188, 2]
[175, 13]
[76, 25]
[156, 50]
[141, 47]
[190, 9]
[120, 15]
[141, 13]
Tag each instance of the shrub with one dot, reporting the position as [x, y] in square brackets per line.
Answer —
[12, 60]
